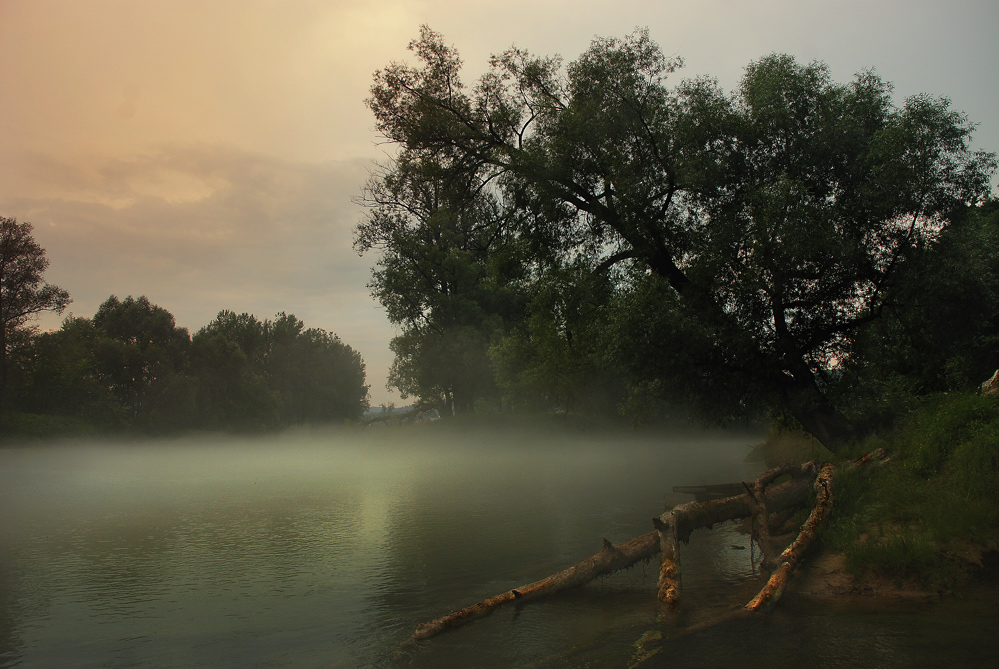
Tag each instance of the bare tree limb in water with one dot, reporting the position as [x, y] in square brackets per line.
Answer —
[681, 521]
[793, 554]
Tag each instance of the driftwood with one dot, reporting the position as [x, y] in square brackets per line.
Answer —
[676, 525]
[793, 554]
[671, 528]
[774, 588]
[761, 516]
[610, 559]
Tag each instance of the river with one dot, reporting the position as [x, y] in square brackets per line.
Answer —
[326, 548]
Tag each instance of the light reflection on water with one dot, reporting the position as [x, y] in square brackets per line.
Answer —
[327, 549]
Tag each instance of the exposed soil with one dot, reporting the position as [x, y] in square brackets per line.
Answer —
[823, 577]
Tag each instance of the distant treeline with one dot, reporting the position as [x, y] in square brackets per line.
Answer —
[131, 367]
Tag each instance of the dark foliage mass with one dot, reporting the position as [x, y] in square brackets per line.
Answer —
[131, 367]
[605, 237]
[23, 293]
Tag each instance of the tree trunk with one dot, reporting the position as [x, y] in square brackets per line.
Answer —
[815, 412]
[681, 521]
[462, 401]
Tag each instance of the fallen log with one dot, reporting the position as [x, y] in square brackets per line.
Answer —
[761, 518]
[676, 525]
[610, 559]
[793, 554]
[681, 522]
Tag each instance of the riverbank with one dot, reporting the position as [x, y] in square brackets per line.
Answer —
[919, 525]
[824, 577]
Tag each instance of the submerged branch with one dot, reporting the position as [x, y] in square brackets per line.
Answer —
[610, 559]
[681, 521]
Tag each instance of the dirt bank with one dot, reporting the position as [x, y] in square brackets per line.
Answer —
[823, 577]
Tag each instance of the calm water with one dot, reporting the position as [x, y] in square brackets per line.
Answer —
[326, 549]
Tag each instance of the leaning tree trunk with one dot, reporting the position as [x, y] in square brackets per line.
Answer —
[815, 412]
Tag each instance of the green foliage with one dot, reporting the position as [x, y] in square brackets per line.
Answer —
[562, 356]
[895, 556]
[57, 374]
[786, 445]
[449, 275]
[29, 426]
[227, 358]
[775, 223]
[23, 293]
[939, 491]
[256, 374]
[140, 353]
[131, 368]
[315, 375]
[939, 329]
[948, 423]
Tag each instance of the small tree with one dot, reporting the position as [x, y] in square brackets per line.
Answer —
[23, 294]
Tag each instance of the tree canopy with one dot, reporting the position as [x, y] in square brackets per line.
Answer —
[23, 291]
[131, 367]
[776, 219]
[448, 275]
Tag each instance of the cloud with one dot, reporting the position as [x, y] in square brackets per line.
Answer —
[205, 153]
[199, 228]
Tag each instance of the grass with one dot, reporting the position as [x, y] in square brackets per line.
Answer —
[938, 495]
[896, 555]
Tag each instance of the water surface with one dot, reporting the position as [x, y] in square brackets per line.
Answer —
[325, 549]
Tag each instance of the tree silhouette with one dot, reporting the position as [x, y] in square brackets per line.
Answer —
[23, 293]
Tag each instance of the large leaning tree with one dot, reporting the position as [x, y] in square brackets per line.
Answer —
[775, 215]
[23, 292]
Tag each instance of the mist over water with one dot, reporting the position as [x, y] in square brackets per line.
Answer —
[327, 548]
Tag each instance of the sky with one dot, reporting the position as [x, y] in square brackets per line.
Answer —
[207, 153]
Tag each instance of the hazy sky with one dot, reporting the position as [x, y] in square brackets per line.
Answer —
[204, 153]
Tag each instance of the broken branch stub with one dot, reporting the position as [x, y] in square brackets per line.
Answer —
[669, 567]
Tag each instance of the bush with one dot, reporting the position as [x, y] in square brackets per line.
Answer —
[28, 426]
[935, 432]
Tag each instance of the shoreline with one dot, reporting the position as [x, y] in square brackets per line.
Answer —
[823, 579]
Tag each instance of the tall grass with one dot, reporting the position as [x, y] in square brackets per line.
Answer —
[937, 495]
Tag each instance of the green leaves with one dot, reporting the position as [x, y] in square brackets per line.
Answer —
[777, 216]
[256, 373]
